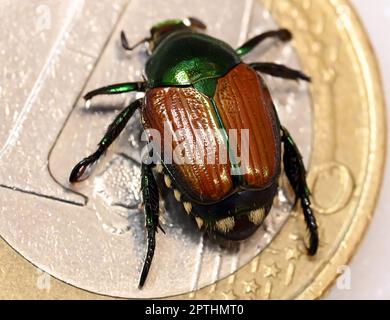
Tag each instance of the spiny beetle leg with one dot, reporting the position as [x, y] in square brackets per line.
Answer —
[296, 174]
[115, 89]
[150, 196]
[280, 71]
[282, 34]
[115, 128]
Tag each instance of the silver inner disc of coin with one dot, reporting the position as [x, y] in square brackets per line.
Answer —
[92, 235]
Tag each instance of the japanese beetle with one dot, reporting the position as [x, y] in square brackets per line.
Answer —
[194, 81]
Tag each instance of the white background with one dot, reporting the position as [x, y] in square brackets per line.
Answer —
[370, 268]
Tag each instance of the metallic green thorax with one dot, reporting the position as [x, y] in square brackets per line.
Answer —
[186, 57]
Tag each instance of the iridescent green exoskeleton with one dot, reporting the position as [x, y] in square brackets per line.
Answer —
[193, 79]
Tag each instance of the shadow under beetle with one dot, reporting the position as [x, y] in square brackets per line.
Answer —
[193, 82]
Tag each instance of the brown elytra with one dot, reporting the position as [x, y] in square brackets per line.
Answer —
[242, 101]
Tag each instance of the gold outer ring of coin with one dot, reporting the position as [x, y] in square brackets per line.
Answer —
[345, 171]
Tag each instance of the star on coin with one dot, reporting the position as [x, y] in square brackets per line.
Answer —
[293, 253]
[251, 286]
[271, 271]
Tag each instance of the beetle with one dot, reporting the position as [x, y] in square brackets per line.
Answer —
[194, 81]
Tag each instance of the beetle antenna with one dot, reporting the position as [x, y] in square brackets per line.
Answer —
[125, 42]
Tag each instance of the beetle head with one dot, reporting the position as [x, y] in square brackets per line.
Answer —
[162, 29]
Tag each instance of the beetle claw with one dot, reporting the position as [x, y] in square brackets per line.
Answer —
[82, 170]
[78, 172]
[161, 228]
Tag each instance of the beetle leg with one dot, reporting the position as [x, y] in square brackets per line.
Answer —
[115, 89]
[296, 174]
[150, 195]
[113, 131]
[282, 34]
[280, 71]
[125, 42]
